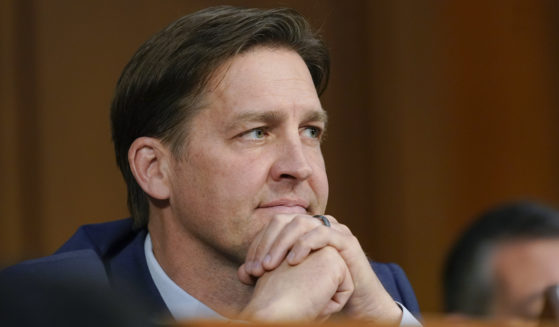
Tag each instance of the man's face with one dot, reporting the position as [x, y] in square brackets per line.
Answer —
[523, 270]
[252, 152]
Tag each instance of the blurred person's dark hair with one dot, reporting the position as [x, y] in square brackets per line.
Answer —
[468, 286]
[162, 86]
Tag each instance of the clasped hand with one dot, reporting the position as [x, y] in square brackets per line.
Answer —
[303, 270]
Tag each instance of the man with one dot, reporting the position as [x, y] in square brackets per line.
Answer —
[217, 127]
[501, 267]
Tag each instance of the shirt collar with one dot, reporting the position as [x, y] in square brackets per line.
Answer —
[182, 305]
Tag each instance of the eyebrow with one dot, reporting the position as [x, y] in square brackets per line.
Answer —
[275, 117]
[316, 115]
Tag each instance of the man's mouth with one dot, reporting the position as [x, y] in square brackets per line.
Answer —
[286, 206]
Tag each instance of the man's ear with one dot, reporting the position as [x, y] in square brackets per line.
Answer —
[149, 162]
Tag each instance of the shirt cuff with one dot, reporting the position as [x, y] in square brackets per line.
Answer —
[407, 318]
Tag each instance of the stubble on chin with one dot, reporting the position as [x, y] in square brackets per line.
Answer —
[241, 236]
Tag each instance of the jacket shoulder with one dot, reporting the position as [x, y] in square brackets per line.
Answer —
[81, 258]
[77, 266]
[102, 238]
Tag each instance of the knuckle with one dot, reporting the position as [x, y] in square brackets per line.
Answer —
[343, 228]
[259, 253]
[331, 261]
[353, 239]
[331, 218]
[284, 219]
[302, 243]
[351, 286]
[329, 253]
[302, 221]
[324, 231]
[299, 219]
[278, 219]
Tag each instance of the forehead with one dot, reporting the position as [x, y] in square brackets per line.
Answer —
[263, 78]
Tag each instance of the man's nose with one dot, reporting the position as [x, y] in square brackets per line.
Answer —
[292, 161]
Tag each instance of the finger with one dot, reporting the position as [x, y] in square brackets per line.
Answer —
[332, 219]
[335, 236]
[341, 297]
[349, 248]
[261, 248]
[249, 260]
[244, 276]
[345, 290]
[284, 241]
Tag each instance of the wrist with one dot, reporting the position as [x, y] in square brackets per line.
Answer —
[389, 312]
[269, 311]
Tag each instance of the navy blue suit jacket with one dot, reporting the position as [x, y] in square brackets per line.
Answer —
[112, 254]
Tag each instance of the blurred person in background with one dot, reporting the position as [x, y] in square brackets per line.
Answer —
[502, 265]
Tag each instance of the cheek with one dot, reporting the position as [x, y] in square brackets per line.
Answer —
[228, 179]
[321, 191]
[244, 174]
[320, 179]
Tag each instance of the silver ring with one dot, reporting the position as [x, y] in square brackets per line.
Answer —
[325, 220]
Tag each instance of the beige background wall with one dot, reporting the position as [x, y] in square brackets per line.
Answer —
[439, 109]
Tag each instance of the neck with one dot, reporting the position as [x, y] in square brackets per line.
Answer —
[197, 268]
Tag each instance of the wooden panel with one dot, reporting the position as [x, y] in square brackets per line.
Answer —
[347, 145]
[438, 110]
[11, 232]
[21, 194]
[502, 86]
[464, 117]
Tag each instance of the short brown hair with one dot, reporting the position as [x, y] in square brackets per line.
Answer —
[160, 88]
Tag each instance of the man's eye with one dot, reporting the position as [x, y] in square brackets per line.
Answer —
[312, 132]
[255, 134]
